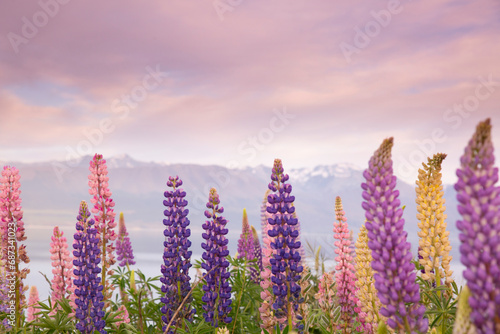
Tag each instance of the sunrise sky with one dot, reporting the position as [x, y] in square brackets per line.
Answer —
[240, 82]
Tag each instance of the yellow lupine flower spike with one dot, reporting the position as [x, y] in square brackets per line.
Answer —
[366, 292]
[434, 245]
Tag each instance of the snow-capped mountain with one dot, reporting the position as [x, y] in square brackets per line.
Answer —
[52, 191]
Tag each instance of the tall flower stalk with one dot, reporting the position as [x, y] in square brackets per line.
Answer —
[88, 288]
[479, 204]
[245, 242]
[11, 216]
[32, 303]
[268, 319]
[434, 245]
[217, 296]
[463, 323]
[285, 263]
[62, 267]
[345, 278]
[366, 293]
[123, 245]
[257, 254]
[394, 272]
[176, 257]
[104, 218]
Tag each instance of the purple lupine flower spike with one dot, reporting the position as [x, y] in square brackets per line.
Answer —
[479, 205]
[257, 255]
[245, 242]
[217, 297]
[285, 262]
[395, 273]
[88, 285]
[123, 245]
[176, 257]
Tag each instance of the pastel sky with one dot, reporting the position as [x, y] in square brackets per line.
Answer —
[240, 82]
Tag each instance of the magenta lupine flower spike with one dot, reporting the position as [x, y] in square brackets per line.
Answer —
[344, 277]
[217, 297]
[32, 303]
[395, 273]
[123, 245]
[245, 242]
[11, 216]
[176, 258]
[62, 263]
[104, 218]
[285, 263]
[479, 204]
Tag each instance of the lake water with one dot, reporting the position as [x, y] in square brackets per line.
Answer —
[150, 264]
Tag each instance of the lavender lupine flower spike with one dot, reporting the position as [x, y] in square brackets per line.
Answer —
[123, 245]
[245, 242]
[395, 276]
[176, 257]
[88, 285]
[217, 297]
[285, 262]
[479, 205]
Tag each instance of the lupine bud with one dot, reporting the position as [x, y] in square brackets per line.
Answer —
[217, 297]
[479, 205]
[395, 277]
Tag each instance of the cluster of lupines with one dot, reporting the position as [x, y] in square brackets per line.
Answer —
[32, 303]
[345, 278]
[123, 245]
[104, 218]
[366, 293]
[285, 263]
[11, 216]
[217, 297]
[176, 257]
[394, 271]
[479, 204]
[434, 246]
[88, 287]
[62, 263]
